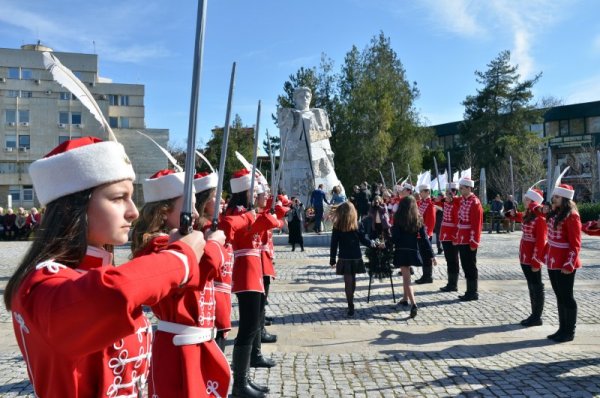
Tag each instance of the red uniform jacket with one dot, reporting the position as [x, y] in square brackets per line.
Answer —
[591, 228]
[533, 241]
[189, 370]
[427, 211]
[222, 287]
[243, 231]
[82, 331]
[470, 218]
[450, 220]
[564, 243]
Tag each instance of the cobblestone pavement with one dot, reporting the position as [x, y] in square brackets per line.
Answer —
[450, 349]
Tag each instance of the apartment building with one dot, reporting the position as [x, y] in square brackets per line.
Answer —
[37, 114]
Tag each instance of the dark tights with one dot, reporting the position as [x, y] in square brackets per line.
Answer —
[533, 278]
[249, 304]
[562, 284]
[350, 287]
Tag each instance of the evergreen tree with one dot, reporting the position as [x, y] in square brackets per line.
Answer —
[496, 125]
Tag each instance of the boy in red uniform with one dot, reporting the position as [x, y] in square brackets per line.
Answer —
[427, 212]
[470, 215]
[448, 233]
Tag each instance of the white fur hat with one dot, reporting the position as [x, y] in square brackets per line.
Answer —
[240, 181]
[452, 185]
[535, 195]
[205, 180]
[563, 190]
[467, 182]
[77, 165]
[163, 185]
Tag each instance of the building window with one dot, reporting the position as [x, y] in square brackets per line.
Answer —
[577, 126]
[26, 74]
[15, 192]
[23, 116]
[551, 129]
[113, 122]
[63, 117]
[62, 138]
[27, 193]
[8, 168]
[13, 93]
[24, 141]
[11, 116]
[76, 118]
[593, 124]
[10, 141]
[65, 96]
[124, 100]
[13, 73]
[113, 99]
[124, 122]
[564, 127]
[26, 94]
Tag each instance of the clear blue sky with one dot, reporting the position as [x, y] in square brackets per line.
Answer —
[441, 44]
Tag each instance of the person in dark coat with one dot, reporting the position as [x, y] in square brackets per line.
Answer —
[316, 201]
[439, 216]
[363, 200]
[347, 238]
[408, 226]
[295, 218]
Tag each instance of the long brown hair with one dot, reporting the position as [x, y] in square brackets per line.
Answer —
[567, 206]
[202, 198]
[407, 217]
[62, 237]
[150, 223]
[345, 218]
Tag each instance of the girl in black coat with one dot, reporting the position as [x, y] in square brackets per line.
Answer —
[408, 226]
[348, 238]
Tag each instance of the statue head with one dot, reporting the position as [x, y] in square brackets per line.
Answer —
[302, 97]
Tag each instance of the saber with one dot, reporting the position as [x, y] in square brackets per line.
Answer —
[254, 157]
[382, 180]
[185, 218]
[409, 175]
[272, 157]
[437, 173]
[215, 220]
[393, 175]
[450, 169]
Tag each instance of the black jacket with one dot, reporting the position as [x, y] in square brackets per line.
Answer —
[348, 243]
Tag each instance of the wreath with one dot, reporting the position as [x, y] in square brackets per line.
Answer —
[381, 260]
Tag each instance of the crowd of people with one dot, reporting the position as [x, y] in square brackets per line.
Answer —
[19, 225]
[402, 221]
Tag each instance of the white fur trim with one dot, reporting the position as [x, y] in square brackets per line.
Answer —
[207, 182]
[563, 192]
[79, 169]
[240, 184]
[166, 187]
[406, 185]
[452, 185]
[424, 186]
[466, 182]
[534, 196]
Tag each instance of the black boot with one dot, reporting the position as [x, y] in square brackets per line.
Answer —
[267, 337]
[452, 285]
[240, 367]
[426, 278]
[471, 293]
[536, 295]
[220, 340]
[561, 323]
[257, 359]
[568, 334]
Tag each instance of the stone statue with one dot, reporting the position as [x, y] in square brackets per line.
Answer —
[308, 158]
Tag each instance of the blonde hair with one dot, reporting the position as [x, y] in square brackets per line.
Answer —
[345, 217]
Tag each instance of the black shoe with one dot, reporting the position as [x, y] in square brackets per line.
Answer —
[554, 335]
[413, 311]
[469, 297]
[440, 251]
[449, 288]
[403, 302]
[269, 318]
[268, 323]
[260, 361]
[350, 312]
[258, 387]
[293, 249]
[564, 337]
[531, 321]
[422, 281]
[266, 337]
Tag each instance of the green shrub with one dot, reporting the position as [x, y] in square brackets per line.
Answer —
[588, 211]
